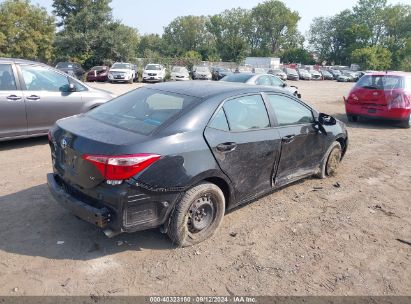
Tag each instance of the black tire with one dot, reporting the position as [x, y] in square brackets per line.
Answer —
[332, 159]
[405, 124]
[352, 118]
[206, 203]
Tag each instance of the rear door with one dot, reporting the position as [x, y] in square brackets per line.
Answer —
[244, 144]
[302, 146]
[47, 97]
[12, 108]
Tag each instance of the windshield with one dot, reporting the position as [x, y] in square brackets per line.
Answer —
[143, 110]
[381, 82]
[179, 70]
[153, 67]
[202, 70]
[121, 66]
[237, 78]
[291, 71]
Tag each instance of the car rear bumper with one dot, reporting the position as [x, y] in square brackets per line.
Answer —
[128, 211]
[100, 217]
[377, 111]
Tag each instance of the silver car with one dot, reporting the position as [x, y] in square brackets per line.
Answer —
[33, 96]
[262, 79]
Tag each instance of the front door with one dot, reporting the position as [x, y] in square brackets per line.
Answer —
[244, 145]
[47, 97]
[301, 144]
[12, 108]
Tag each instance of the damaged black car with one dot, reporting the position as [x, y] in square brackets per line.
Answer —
[179, 155]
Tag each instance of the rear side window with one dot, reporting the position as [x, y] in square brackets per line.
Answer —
[264, 80]
[289, 111]
[246, 113]
[143, 110]
[219, 121]
[7, 82]
[381, 82]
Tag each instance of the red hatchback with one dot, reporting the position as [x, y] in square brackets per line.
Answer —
[98, 73]
[381, 95]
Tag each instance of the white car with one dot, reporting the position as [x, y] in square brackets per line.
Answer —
[202, 72]
[154, 73]
[122, 72]
[179, 73]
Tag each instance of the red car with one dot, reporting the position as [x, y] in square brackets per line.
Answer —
[381, 95]
[98, 73]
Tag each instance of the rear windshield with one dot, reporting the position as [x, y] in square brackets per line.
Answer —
[143, 110]
[291, 71]
[121, 66]
[381, 82]
[153, 67]
[237, 78]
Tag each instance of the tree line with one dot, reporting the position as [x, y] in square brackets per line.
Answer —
[373, 34]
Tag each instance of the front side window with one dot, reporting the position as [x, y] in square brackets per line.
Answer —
[276, 82]
[290, 112]
[246, 113]
[143, 110]
[264, 80]
[7, 81]
[38, 78]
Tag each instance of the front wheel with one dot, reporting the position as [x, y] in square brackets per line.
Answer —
[197, 216]
[331, 160]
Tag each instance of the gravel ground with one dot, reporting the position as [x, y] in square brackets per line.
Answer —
[337, 236]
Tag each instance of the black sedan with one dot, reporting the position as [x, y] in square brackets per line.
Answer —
[179, 155]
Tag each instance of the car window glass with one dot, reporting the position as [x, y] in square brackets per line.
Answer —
[289, 111]
[276, 82]
[219, 121]
[78, 85]
[264, 80]
[246, 113]
[7, 81]
[39, 78]
[143, 110]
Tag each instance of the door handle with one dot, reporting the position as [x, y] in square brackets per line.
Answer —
[288, 139]
[33, 97]
[226, 147]
[13, 97]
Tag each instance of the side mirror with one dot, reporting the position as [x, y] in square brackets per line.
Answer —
[71, 87]
[326, 120]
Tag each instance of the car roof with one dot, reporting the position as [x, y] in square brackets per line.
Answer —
[391, 73]
[206, 89]
[17, 60]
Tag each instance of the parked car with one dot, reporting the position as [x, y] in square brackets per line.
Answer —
[303, 74]
[202, 73]
[154, 73]
[381, 95]
[279, 73]
[185, 153]
[347, 76]
[291, 74]
[315, 75]
[262, 79]
[258, 71]
[326, 75]
[98, 73]
[179, 73]
[71, 68]
[135, 69]
[33, 96]
[219, 72]
[122, 72]
[335, 73]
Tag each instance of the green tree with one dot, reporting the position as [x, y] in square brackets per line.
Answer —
[275, 25]
[297, 55]
[150, 43]
[371, 14]
[230, 31]
[372, 58]
[26, 31]
[185, 34]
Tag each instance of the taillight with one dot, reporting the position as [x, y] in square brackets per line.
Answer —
[400, 102]
[50, 136]
[121, 167]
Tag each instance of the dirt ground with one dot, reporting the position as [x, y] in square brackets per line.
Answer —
[337, 236]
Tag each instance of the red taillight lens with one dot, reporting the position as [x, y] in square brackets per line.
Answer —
[121, 167]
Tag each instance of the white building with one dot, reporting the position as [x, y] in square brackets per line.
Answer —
[263, 62]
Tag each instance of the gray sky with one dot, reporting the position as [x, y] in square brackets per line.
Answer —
[152, 16]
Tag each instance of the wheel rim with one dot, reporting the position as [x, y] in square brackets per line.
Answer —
[201, 214]
[333, 161]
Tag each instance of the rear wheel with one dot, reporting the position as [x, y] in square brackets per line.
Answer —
[405, 124]
[197, 216]
[331, 161]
